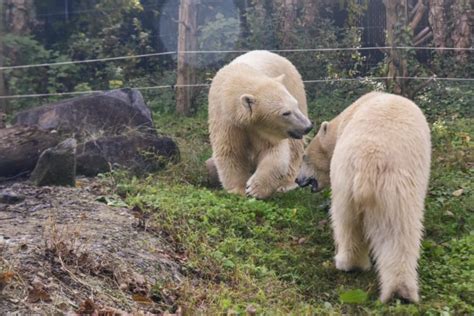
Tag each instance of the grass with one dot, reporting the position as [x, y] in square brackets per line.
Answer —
[275, 256]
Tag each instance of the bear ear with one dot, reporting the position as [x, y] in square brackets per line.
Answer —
[248, 101]
[280, 78]
[324, 128]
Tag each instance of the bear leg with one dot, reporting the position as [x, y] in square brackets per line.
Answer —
[352, 248]
[272, 169]
[233, 173]
[395, 242]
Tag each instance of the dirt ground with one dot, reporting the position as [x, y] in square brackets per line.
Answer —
[65, 250]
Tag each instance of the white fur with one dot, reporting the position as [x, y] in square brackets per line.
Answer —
[379, 175]
[251, 147]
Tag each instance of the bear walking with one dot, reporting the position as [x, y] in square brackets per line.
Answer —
[376, 156]
[257, 118]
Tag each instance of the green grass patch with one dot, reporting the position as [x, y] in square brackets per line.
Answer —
[277, 255]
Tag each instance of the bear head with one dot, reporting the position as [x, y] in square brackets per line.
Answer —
[273, 111]
[317, 158]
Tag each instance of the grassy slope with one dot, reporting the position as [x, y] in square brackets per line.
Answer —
[276, 255]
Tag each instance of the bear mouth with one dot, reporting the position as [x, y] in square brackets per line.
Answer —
[309, 181]
[295, 135]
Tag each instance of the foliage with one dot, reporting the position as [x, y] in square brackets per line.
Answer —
[109, 28]
[221, 34]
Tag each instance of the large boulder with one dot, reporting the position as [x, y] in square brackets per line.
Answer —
[111, 128]
[113, 112]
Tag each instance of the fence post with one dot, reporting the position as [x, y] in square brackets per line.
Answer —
[3, 102]
[186, 62]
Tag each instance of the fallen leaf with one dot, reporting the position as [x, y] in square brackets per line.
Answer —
[458, 193]
[251, 310]
[38, 292]
[301, 241]
[179, 312]
[87, 307]
[5, 278]
[449, 213]
[141, 299]
[357, 296]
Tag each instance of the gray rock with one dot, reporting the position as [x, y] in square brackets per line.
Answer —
[111, 112]
[56, 165]
[134, 151]
[10, 197]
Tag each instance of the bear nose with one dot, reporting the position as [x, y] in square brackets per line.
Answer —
[308, 129]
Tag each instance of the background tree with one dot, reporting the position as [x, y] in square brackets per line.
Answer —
[402, 21]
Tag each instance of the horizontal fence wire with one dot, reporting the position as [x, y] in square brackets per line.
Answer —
[296, 50]
[160, 87]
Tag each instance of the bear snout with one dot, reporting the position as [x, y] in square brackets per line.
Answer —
[295, 134]
[309, 128]
[305, 181]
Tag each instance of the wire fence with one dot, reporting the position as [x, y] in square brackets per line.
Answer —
[170, 86]
[160, 87]
[294, 50]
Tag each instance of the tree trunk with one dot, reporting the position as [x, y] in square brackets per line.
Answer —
[186, 62]
[402, 17]
[288, 17]
[396, 66]
[462, 33]
[310, 11]
[438, 22]
[20, 148]
[19, 16]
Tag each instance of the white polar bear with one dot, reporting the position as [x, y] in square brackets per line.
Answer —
[376, 157]
[257, 118]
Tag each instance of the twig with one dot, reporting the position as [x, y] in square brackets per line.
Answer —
[419, 14]
[421, 34]
[7, 218]
[423, 39]
[422, 86]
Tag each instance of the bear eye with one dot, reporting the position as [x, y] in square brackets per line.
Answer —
[286, 113]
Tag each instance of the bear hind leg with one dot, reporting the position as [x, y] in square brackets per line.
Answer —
[233, 173]
[352, 248]
[395, 240]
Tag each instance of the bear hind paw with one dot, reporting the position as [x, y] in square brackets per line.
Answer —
[405, 293]
[345, 263]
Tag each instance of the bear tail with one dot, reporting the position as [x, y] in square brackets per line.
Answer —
[393, 227]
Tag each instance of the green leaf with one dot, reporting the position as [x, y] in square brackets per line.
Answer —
[357, 296]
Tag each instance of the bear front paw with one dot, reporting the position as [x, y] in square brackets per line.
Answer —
[345, 263]
[256, 189]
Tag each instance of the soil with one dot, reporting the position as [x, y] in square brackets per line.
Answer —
[63, 251]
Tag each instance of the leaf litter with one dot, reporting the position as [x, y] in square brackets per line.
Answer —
[62, 251]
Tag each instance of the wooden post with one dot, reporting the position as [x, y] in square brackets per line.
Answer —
[3, 90]
[186, 62]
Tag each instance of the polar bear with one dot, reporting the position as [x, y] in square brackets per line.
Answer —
[376, 157]
[257, 119]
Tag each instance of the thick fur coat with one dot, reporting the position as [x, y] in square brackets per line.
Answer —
[257, 117]
[376, 157]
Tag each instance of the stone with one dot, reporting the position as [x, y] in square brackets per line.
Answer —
[136, 152]
[9, 197]
[107, 112]
[56, 165]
